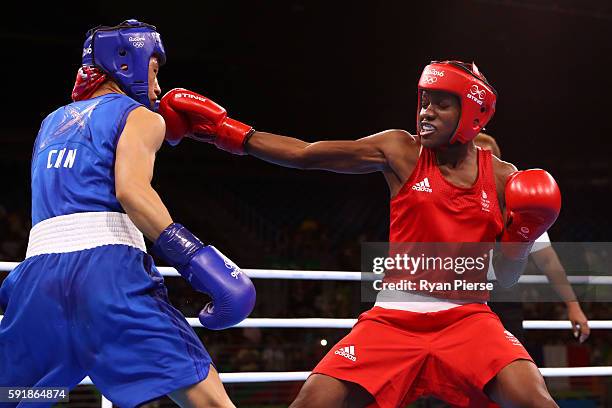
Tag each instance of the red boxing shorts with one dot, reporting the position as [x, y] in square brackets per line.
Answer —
[399, 356]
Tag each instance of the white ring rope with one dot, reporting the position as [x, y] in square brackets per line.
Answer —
[274, 376]
[277, 323]
[251, 377]
[352, 276]
[563, 324]
[321, 323]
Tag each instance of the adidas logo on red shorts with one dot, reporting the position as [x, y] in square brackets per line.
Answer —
[347, 352]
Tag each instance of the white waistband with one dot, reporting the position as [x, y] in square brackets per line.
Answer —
[413, 302]
[76, 232]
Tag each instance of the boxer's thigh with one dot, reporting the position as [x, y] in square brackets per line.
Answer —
[321, 390]
[207, 393]
[380, 358]
[520, 384]
[475, 349]
[36, 347]
[133, 343]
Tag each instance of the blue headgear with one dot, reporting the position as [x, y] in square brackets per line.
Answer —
[123, 53]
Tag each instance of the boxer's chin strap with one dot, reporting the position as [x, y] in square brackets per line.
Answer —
[88, 80]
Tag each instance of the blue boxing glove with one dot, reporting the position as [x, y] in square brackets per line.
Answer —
[210, 272]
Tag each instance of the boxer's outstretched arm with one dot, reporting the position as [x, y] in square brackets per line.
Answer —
[365, 155]
[189, 113]
[135, 157]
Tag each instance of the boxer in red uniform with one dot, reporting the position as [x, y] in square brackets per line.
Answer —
[401, 350]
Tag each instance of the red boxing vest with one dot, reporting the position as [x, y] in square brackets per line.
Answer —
[429, 208]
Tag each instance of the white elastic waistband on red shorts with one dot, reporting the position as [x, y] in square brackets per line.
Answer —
[77, 232]
[413, 302]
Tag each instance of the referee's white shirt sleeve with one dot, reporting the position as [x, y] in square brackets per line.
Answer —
[542, 242]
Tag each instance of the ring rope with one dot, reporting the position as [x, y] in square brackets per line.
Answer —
[277, 376]
[325, 323]
[352, 276]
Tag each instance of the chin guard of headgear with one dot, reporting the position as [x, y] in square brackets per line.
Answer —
[476, 95]
[123, 53]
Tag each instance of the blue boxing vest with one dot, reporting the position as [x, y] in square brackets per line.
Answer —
[73, 158]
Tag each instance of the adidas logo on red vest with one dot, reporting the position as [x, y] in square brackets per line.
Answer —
[423, 186]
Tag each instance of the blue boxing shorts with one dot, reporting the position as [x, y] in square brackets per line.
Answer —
[100, 312]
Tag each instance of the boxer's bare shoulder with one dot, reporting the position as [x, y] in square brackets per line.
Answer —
[502, 170]
[144, 123]
[397, 142]
[401, 149]
[147, 118]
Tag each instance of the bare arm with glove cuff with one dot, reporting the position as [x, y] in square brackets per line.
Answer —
[196, 116]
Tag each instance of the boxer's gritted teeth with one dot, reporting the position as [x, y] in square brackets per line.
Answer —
[427, 127]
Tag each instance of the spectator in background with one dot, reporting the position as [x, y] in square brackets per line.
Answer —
[3, 229]
[13, 235]
[247, 356]
[545, 258]
[273, 355]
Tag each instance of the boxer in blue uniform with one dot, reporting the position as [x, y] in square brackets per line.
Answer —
[88, 300]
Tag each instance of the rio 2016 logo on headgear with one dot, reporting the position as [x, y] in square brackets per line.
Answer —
[431, 75]
[87, 51]
[476, 94]
[433, 71]
[137, 42]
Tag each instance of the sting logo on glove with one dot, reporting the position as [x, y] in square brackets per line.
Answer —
[188, 114]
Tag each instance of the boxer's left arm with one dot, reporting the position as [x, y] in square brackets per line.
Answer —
[507, 271]
[140, 140]
[365, 155]
[204, 267]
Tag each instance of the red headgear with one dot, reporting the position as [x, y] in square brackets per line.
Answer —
[476, 95]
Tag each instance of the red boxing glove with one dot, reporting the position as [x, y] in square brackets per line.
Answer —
[177, 125]
[533, 202]
[207, 120]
